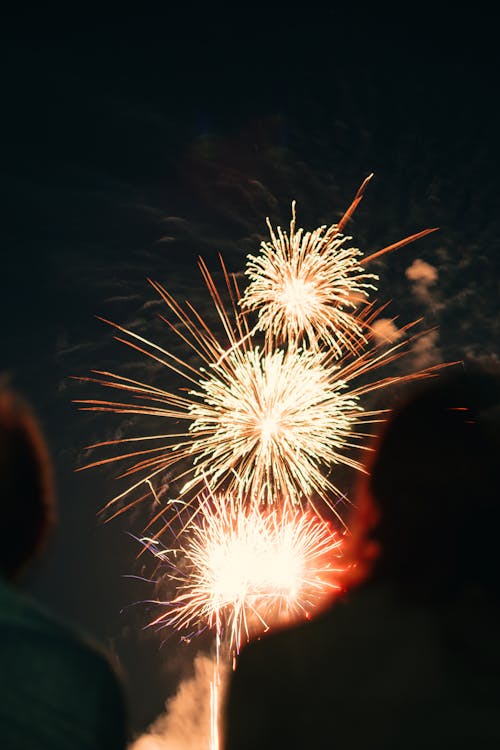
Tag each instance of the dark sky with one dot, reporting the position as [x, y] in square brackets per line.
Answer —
[131, 145]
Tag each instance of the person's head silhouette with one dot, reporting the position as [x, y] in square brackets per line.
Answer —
[27, 506]
[435, 486]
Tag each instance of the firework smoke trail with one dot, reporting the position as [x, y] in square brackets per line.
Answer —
[187, 720]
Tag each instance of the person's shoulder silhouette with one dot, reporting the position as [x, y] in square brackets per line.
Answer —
[408, 657]
[57, 690]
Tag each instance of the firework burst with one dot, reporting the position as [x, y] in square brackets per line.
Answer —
[266, 422]
[246, 568]
[308, 286]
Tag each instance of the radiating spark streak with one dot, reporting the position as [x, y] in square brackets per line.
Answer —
[352, 208]
[152, 344]
[398, 245]
[246, 568]
[127, 507]
[151, 487]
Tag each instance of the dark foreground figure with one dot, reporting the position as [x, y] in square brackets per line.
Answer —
[410, 657]
[57, 692]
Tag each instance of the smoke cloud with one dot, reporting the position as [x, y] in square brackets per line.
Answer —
[386, 331]
[185, 725]
[426, 352]
[422, 276]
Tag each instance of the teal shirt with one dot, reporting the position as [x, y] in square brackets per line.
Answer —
[57, 691]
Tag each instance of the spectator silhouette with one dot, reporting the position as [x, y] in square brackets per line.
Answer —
[57, 691]
[408, 657]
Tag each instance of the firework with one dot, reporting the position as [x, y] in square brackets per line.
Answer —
[245, 568]
[259, 420]
[308, 285]
[265, 423]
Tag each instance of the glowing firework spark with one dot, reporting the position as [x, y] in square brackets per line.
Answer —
[247, 568]
[308, 285]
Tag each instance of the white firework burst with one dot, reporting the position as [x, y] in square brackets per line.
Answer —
[267, 423]
[309, 286]
[241, 569]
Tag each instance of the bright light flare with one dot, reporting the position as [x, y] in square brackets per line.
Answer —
[247, 568]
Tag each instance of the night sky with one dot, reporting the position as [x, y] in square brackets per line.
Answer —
[132, 145]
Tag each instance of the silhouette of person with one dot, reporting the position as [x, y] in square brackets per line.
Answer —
[408, 657]
[57, 690]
